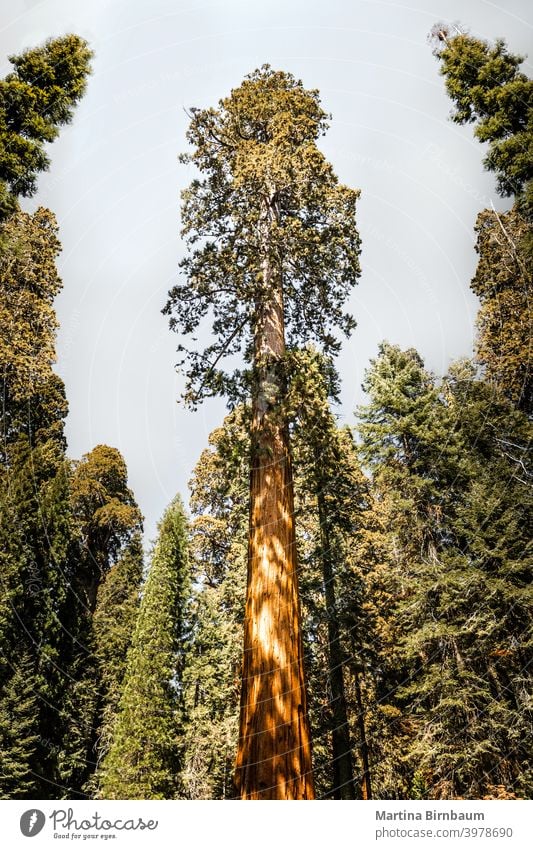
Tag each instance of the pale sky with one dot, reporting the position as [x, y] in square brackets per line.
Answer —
[115, 179]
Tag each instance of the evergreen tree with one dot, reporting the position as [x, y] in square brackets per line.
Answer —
[44, 606]
[113, 626]
[456, 534]
[90, 702]
[107, 515]
[35, 521]
[61, 530]
[487, 88]
[330, 489]
[503, 285]
[212, 664]
[35, 531]
[106, 525]
[143, 761]
[274, 251]
[36, 98]
[18, 730]
[218, 544]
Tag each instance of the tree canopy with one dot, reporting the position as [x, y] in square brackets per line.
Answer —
[260, 147]
[36, 99]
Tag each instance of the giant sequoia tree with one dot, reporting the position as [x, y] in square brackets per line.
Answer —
[273, 255]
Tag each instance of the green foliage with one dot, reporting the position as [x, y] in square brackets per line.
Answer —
[503, 284]
[96, 673]
[330, 496]
[114, 621]
[258, 150]
[144, 758]
[37, 610]
[36, 98]
[52, 535]
[106, 514]
[449, 466]
[18, 730]
[28, 285]
[487, 87]
[326, 470]
[212, 664]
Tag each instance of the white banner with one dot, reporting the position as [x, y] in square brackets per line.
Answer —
[267, 825]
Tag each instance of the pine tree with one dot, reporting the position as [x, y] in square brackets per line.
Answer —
[45, 610]
[35, 532]
[96, 671]
[218, 545]
[113, 626]
[488, 88]
[105, 524]
[143, 761]
[35, 527]
[212, 664]
[19, 732]
[61, 531]
[107, 515]
[330, 481]
[503, 285]
[274, 251]
[455, 535]
[36, 98]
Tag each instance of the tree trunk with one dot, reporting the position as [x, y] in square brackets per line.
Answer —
[274, 749]
[343, 782]
[366, 786]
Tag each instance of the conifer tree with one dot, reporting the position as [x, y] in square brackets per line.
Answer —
[44, 616]
[96, 671]
[107, 515]
[212, 664]
[36, 99]
[328, 473]
[113, 626]
[36, 615]
[218, 545]
[105, 524]
[18, 730]
[274, 252]
[60, 531]
[144, 759]
[487, 87]
[455, 524]
[503, 284]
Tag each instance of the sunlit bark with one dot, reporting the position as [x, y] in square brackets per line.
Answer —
[274, 752]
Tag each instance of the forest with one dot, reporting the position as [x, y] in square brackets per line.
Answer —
[336, 611]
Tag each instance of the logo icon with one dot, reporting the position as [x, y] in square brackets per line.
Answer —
[32, 822]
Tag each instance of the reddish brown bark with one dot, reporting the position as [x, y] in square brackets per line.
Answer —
[274, 751]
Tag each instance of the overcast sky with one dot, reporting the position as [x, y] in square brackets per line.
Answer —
[114, 186]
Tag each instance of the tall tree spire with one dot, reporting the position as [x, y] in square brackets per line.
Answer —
[273, 254]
